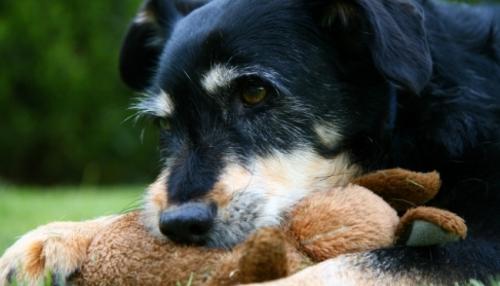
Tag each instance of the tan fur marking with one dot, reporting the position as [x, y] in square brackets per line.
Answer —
[315, 173]
[235, 178]
[145, 16]
[218, 77]
[158, 192]
[328, 134]
[155, 201]
[157, 104]
[284, 179]
[219, 196]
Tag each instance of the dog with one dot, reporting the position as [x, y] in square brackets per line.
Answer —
[260, 102]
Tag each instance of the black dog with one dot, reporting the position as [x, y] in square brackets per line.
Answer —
[264, 101]
[261, 102]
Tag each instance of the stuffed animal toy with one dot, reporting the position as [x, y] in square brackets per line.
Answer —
[359, 217]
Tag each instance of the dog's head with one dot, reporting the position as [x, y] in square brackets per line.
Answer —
[262, 102]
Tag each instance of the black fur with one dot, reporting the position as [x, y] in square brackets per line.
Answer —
[412, 84]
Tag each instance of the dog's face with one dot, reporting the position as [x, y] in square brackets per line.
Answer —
[262, 102]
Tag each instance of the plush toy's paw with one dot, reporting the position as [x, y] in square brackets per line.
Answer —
[55, 251]
[425, 226]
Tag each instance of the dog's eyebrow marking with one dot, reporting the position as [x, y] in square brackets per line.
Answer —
[144, 17]
[155, 104]
[328, 134]
[218, 77]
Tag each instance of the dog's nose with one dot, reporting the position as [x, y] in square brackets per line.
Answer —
[188, 223]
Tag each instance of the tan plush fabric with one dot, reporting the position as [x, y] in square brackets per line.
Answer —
[267, 255]
[402, 189]
[343, 220]
[125, 254]
[322, 226]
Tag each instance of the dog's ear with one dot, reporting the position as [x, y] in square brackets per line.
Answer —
[147, 36]
[391, 32]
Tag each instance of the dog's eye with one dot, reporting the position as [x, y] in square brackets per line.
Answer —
[254, 95]
[164, 123]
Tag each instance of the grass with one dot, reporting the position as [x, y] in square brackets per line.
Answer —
[24, 208]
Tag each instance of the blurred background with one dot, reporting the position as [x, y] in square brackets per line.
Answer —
[67, 150]
[62, 104]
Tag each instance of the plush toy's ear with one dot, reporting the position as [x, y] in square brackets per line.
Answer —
[402, 189]
[147, 36]
[391, 31]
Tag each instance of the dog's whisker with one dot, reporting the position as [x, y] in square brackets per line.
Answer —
[134, 205]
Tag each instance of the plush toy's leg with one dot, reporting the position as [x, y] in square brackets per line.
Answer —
[267, 255]
[58, 249]
[425, 226]
[264, 258]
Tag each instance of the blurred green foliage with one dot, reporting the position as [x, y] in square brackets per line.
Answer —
[62, 104]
